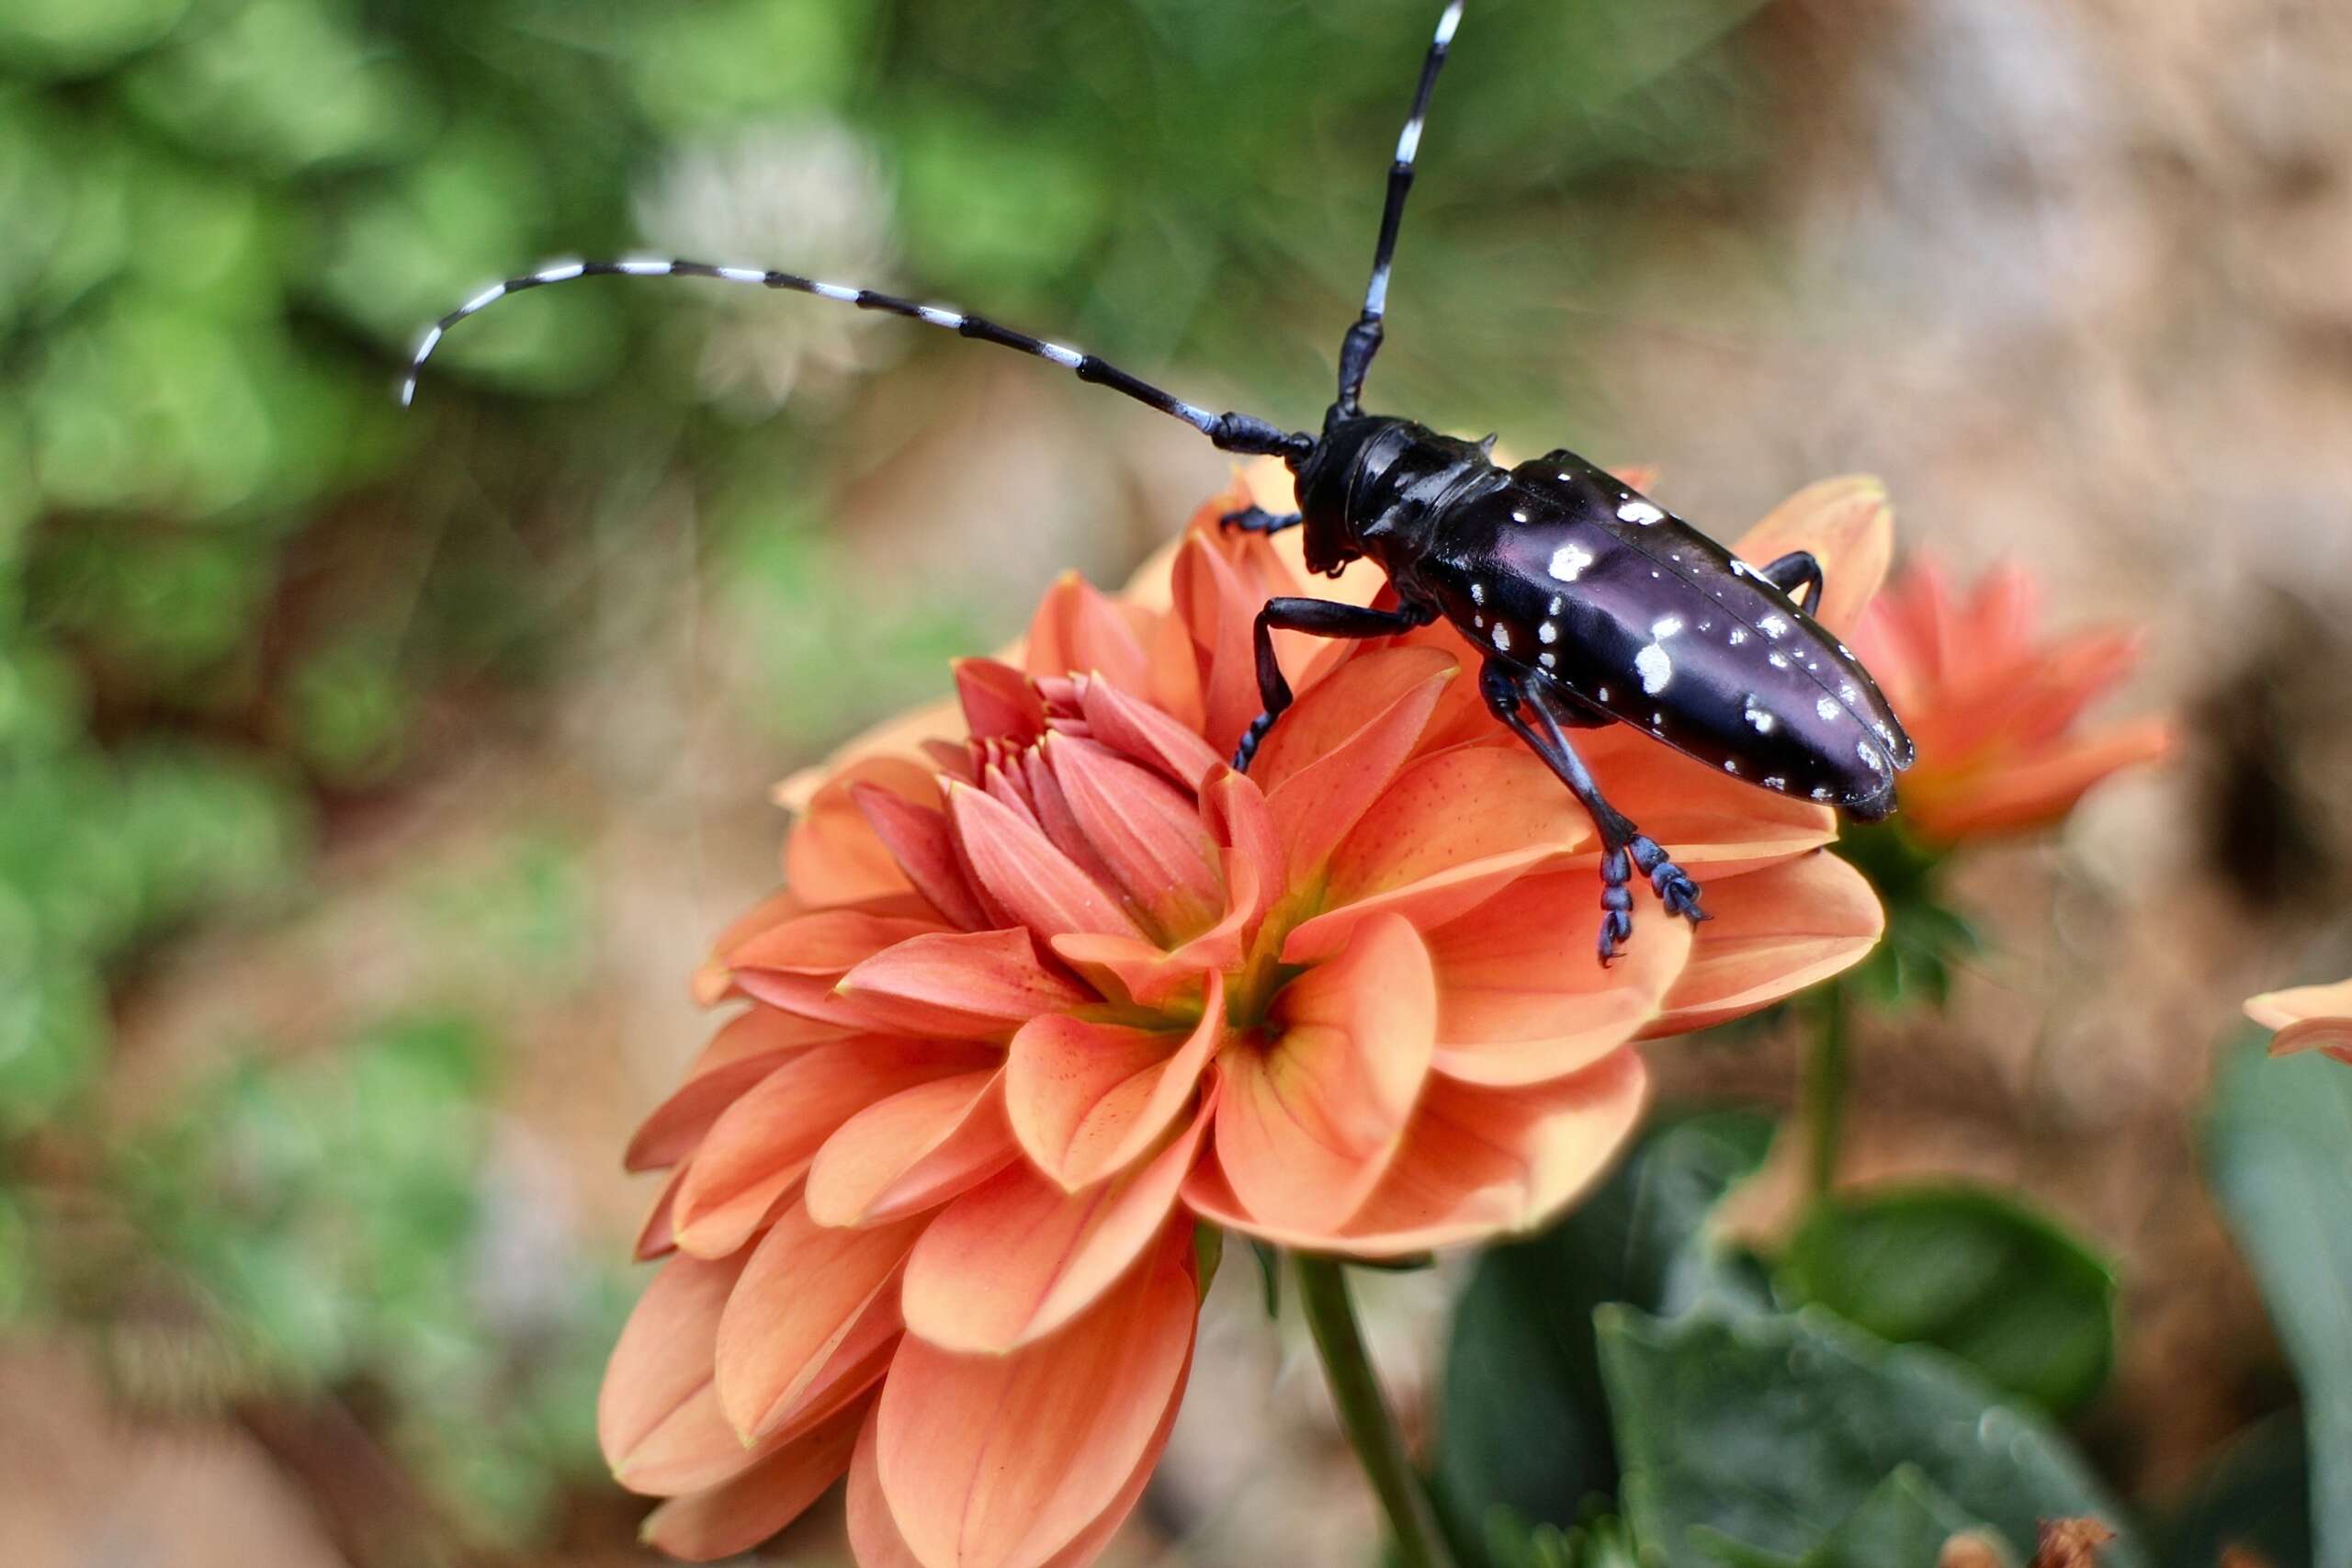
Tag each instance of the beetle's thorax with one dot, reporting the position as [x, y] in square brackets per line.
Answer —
[1374, 486]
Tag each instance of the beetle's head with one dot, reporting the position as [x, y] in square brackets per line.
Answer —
[1337, 477]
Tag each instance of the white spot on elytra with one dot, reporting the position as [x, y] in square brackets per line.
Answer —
[1666, 626]
[1738, 635]
[1517, 516]
[1556, 605]
[1602, 693]
[1775, 781]
[1846, 689]
[1825, 708]
[1547, 658]
[1502, 637]
[1568, 563]
[1762, 721]
[1655, 667]
[1739, 568]
[1640, 512]
[1730, 766]
[1478, 594]
[1869, 754]
[1821, 792]
[1772, 626]
[1547, 632]
[1776, 661]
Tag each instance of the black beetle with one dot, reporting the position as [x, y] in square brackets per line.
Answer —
[1591, 603]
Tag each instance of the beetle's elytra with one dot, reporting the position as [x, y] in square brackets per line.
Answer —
[1591, 603]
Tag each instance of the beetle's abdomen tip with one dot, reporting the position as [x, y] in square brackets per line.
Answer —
[1874, 806]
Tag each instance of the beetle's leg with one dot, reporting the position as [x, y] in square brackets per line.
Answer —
[1322, 618]
[1793, 574]
[1257, 520]
[1625, 849]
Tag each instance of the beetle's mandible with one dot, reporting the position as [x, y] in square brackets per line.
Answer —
[1590, 604]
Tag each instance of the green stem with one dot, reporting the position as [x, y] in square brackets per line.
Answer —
[1323, 1296]
[1824, 1088]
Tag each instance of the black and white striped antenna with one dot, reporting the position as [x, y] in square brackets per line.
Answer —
[1230, 432]
[1364, 338]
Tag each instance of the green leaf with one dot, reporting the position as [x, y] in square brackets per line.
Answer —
[2275, 1140]
[1905, 1521]
[2257, 1496]
[1522, 1423]
[1761, 1430]
[1997, 1284]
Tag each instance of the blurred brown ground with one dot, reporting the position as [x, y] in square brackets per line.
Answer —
[2073, 276]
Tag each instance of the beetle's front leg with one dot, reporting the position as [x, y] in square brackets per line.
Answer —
[1625, 849]
[1322, 618]
[1794, 573]
[1257, 520]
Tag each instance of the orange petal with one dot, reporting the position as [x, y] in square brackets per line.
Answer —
[1088, 1098]
[738, 1514]
[1316, 805]
[913, 1151]
[2331, 1036]
[1002, 1461]
[1455, 809]
[1521, 994]
[806, 1287]
[2278, 1009]
[712, 981]
[655, 1235]
[744, 1051]
[1146, 830]
[2028, 795]
[1218, 609]
[1431, 901]
[830, 856]
[1307, 1124]
[1018, 866]
[1077, 631]
[1849, 528]
[657, 1404]
[919, 839]
[1702, 817]
[827, 942]
[759, 1150]
[1013, 1261]
[1334, 711]
[902, 736]
[958, 985]
[1476, 1163]
[1770, 934]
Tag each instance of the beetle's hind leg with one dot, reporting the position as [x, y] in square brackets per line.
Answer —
[1257, 520]
[1625, 849]
[1793, 574]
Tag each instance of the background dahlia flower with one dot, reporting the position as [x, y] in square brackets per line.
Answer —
[1049, 986]
[1993, 704]
[2307, 1018]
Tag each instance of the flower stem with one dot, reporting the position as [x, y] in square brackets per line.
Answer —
[1823, 1091]
[1323, 1296]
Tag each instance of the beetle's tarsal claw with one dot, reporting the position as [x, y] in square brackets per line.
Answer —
[1616, 930]
[1673, 885]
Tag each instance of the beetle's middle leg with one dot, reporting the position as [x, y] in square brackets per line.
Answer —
[1323, 618]
[1257, 520]
[1625, 849]
[1795, 573]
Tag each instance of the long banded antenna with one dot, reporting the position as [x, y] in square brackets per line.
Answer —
[1230, 432]
[1364, 338]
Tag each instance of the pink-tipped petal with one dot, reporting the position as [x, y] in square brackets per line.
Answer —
[1146, 830]
[919, 839]
[1077, 631]
[738, 1514]
[1013, 1261]
[1768, 935]
[1003, 1462]
[831, 856]
[1336, 711]
[999, 702]
[1142, 731]
[1086, 1097]
[827, 942]
[1316, 805]
[1308, 1122]
[911, 1151]
[1521, 994]
[958, 985]
[1019, 868]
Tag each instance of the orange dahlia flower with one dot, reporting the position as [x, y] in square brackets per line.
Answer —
[1993, 705]
[2308, 1017]
[1050, 986]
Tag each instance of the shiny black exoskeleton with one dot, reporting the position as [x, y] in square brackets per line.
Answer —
[1593, 604]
